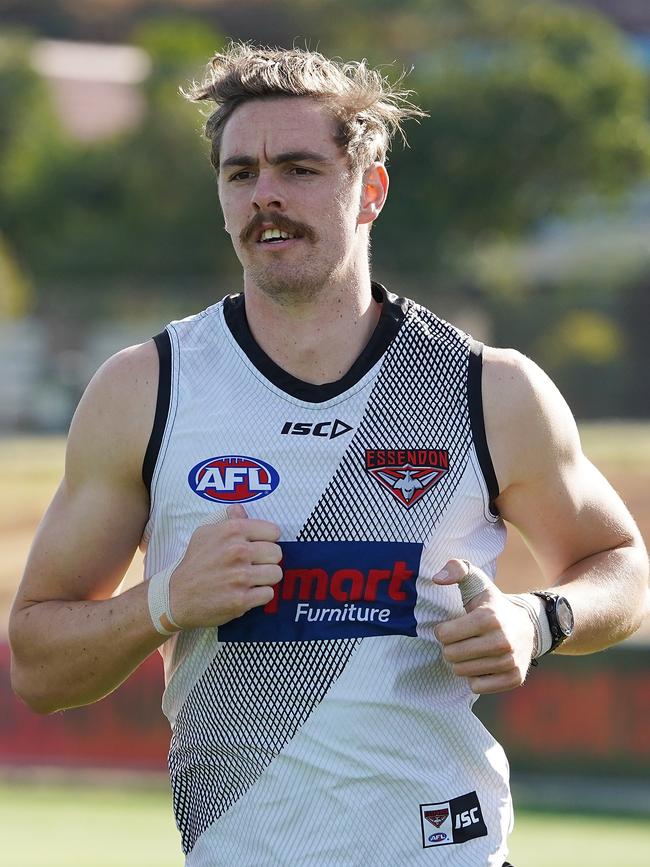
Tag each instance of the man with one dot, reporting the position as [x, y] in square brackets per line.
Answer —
[319, 472]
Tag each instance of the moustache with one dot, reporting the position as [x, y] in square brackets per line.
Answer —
[298, 230]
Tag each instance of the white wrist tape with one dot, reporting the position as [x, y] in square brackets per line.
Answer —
[158, 600]
[536, 611]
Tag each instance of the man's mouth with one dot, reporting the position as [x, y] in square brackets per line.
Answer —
[275, 229]
[272, 236]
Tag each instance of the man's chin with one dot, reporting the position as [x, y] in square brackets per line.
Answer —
[291, 288]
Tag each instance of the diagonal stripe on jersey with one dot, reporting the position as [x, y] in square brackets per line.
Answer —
[419, 401]
[250, 702]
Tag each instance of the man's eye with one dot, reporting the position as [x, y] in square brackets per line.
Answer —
[241, 176]
[301, 170]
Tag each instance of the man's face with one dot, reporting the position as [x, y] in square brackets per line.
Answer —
[281, 173]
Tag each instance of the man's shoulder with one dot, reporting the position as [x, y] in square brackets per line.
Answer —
[529, 425]
[504, 365]
[130, 370]
[515, 384]
[114, 419]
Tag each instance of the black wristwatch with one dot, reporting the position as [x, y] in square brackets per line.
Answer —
[560, 616]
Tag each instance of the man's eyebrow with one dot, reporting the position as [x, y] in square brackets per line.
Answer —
[279, 159]
[298, 157]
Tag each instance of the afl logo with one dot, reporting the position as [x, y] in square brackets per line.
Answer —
[233, 479]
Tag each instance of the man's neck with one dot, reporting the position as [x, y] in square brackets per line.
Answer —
[320, 340]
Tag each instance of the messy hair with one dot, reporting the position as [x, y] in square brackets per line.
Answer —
[368, 110]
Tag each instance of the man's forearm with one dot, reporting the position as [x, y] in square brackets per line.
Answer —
[608, 593]
[66, 654]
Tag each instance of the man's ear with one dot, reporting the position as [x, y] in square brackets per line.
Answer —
[374, 189]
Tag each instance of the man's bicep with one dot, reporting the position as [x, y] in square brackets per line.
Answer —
[84, 544]
[569, 516]
[563, 506]
[89, 533]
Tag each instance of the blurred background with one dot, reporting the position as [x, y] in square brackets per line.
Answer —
[520, 211]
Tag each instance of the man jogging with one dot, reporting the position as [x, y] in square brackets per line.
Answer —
[319, 471]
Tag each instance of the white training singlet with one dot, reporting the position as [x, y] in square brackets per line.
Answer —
[326, 729]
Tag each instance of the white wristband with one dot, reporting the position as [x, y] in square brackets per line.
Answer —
[158, 600]
[536, 611]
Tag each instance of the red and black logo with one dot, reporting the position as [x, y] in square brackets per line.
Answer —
[436, 817]
[407, 473]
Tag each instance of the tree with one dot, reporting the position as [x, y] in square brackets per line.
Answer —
[24, 109]
[531, 106]
[137, 210]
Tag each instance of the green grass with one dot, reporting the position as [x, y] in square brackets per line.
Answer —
[50, 825]
[82, 826]
[543, 839]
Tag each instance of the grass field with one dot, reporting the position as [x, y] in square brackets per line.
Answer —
[79, 826]
[82, 826]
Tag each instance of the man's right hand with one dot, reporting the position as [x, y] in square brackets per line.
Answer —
[228, 569]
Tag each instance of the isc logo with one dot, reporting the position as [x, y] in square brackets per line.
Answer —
[329, 429]
[467, 818]
[233, 479]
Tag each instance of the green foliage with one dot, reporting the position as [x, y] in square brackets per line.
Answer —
[20, 88]
[139, 208]
[26, 121]
[15, 289]
[531, 106]
[176, 45]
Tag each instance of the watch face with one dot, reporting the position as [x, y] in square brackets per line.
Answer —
[564, 616]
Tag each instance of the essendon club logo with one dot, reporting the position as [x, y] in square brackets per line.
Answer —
[436, 817]
[407, 473]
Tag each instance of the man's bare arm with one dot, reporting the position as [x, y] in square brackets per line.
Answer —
[72, 641]
[577, 527]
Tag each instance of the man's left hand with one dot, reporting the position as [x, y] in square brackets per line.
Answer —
[492, 643]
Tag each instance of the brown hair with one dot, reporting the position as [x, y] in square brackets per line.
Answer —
[368, 109]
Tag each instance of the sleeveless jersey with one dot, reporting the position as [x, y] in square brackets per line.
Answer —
[326, 728]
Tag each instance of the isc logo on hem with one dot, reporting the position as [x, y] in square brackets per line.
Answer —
[455, 821]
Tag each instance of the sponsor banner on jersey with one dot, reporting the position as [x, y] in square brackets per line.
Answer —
[233, 479]
[455, 821]
[336, 590]
[408, 474]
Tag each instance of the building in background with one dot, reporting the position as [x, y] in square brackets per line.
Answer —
[95, 87]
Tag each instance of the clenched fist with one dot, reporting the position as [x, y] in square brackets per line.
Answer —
[228, 568]
[492, 643]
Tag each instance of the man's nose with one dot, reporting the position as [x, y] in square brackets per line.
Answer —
[267, 192]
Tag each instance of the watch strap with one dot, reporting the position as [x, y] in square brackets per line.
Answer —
[550, 601]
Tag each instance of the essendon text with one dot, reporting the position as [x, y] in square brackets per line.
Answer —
[400, 457]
